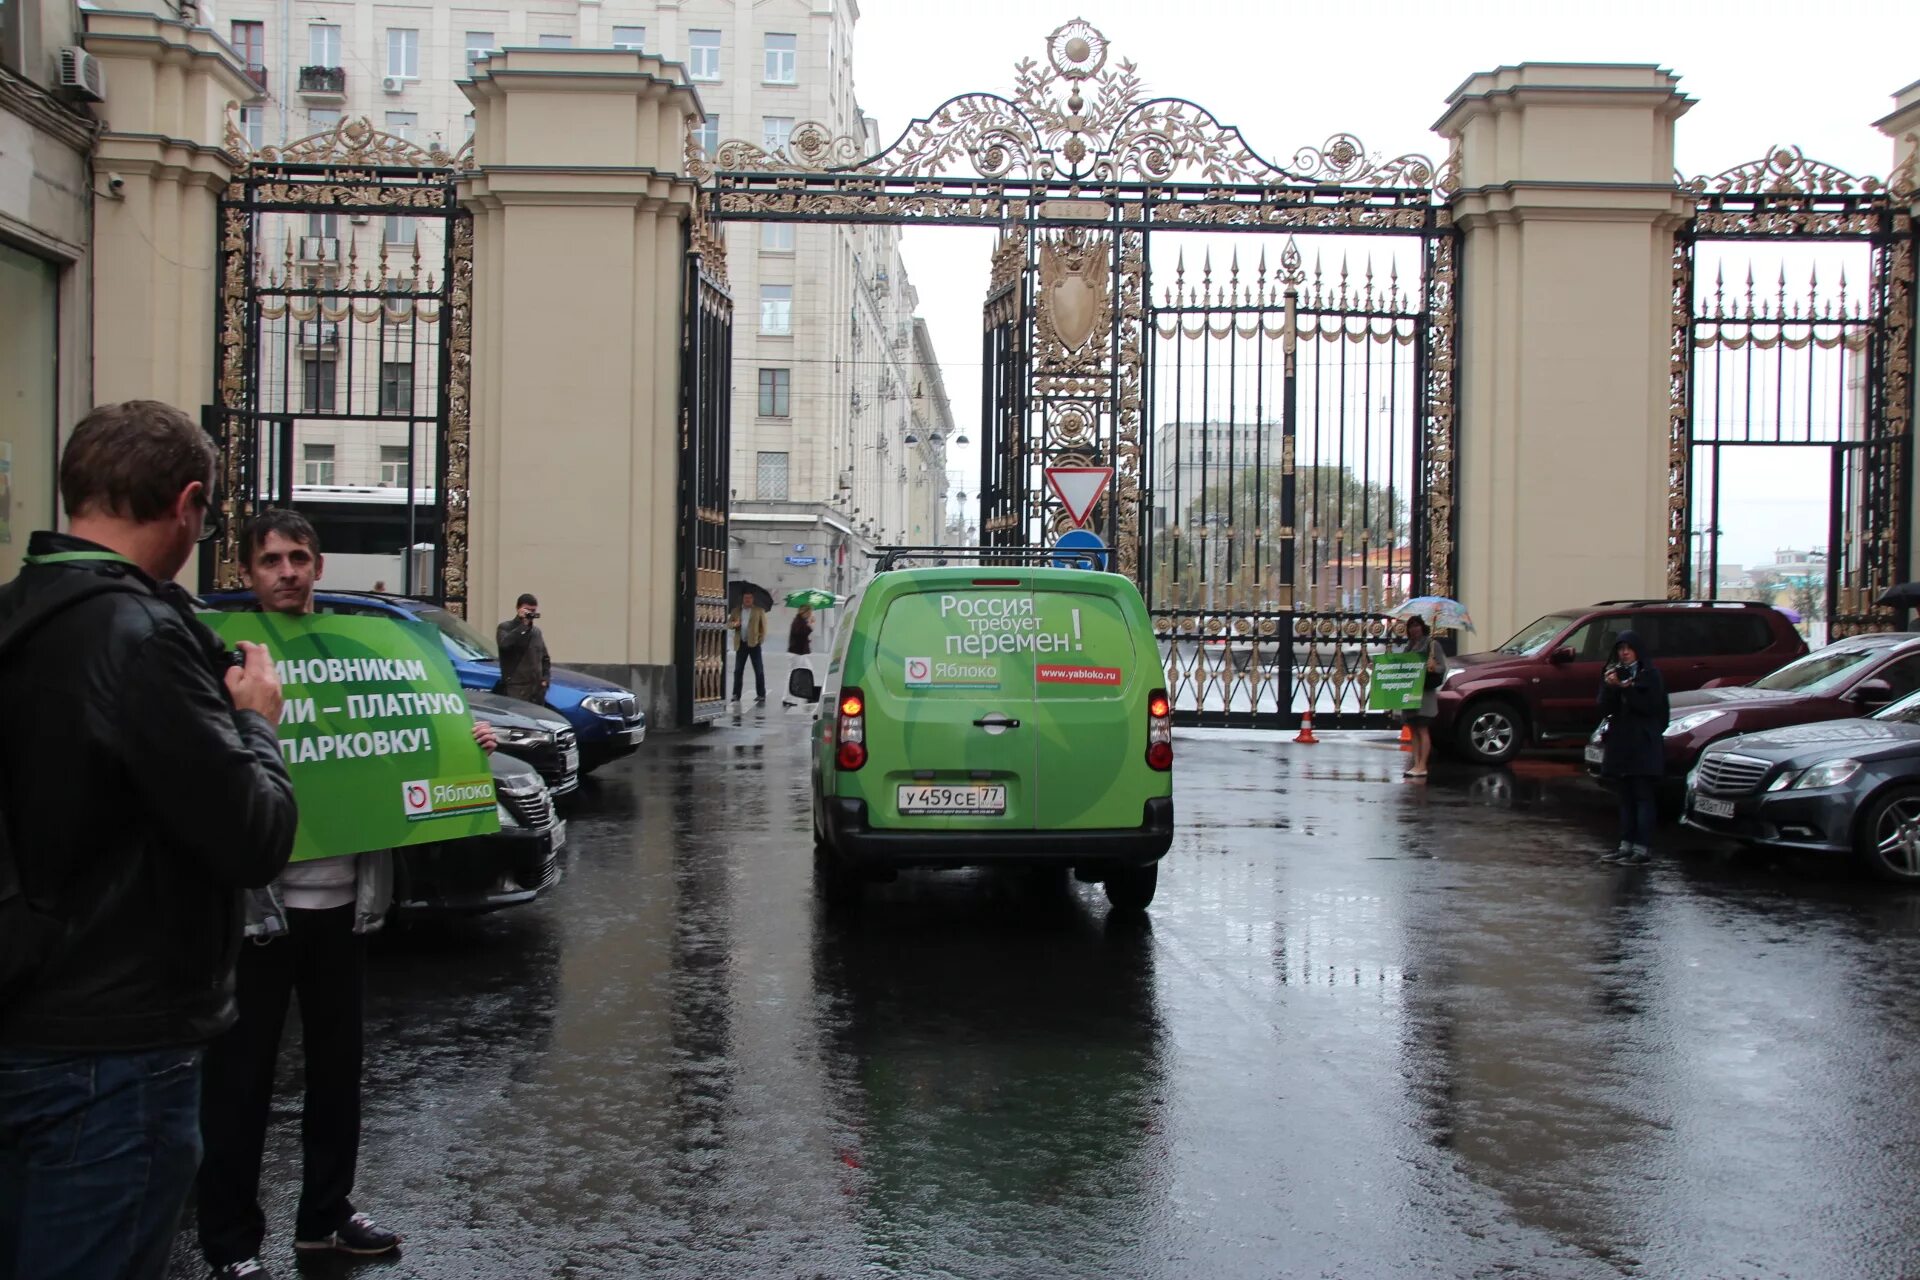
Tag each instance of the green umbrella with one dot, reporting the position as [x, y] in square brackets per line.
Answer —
[812, 598]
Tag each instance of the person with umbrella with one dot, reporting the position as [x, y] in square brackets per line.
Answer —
[1633, 698]
[748, 622]
[1423, 613]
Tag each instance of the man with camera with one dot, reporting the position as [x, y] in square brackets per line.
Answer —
[524, 666]
[148, 796]
[1633, 698]
[306, 935]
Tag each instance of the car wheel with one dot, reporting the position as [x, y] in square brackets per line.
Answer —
[838, 884]
[1131, 888]
[1490, 732]
[1888, 837]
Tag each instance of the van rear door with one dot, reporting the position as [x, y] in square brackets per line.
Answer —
[1090, 687]
[950, 707]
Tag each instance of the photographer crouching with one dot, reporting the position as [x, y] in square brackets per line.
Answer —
[1633, 697]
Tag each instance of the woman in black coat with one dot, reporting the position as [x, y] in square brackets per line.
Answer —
[1633, 697]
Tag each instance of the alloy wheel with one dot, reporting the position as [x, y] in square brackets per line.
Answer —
[1492, 734]
[1897, 838]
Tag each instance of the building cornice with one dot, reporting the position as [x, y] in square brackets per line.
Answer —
[30, 102]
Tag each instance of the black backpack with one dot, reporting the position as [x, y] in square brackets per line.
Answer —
[29, 928]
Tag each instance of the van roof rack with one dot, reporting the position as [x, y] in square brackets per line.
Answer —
[893, 557]
[1707, 604]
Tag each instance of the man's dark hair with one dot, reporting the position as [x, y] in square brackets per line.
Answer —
[290, 525]
[526, 597]
[132, 460]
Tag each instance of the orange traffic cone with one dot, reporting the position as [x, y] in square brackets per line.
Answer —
[1406, 737]
[1306, 729]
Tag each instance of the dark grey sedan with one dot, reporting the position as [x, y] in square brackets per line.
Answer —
[1842, 787]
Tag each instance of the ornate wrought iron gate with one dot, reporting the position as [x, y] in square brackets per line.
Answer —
[1267, 540]
[1762, 364]
[706, 383]
[344, 342]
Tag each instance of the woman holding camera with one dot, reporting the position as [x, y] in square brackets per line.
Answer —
[1633, 698]
[1421, 640]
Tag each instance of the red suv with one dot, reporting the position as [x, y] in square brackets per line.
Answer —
[1543, 685]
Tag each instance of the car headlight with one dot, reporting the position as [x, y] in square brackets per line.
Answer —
[526, 737]
[1828, 773]
[1688, 722]
[603, 704]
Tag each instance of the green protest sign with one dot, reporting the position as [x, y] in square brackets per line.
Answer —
[375, 732]
[1399, 682]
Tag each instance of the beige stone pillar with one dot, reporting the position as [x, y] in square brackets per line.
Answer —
[580, 203]
[1902, 125]
[1567, 202]
[168, 86]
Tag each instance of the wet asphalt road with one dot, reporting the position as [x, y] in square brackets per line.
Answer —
[1371, 1029]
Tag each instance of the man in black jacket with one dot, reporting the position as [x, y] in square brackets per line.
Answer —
[1633, 697]
[524, 667]
[148, 795]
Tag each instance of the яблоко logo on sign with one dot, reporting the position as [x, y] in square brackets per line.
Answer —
[919, 671]
[415, 799]
[446, 798]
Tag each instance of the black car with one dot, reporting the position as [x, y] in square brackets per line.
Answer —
[486, 873]
[535, 734]
[1839, 787]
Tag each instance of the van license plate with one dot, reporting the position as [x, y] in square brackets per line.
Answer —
[572, 759]
[1712, 808]
[978, 801]
[1595, 753]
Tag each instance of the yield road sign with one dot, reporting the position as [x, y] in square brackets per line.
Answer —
[1079, 488]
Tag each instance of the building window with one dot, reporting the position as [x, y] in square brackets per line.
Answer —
[324, 224]
[401, 124]
[776, 237]
[556, 42]
[775, 131]
[634, 38]
[776, 309]
[770, 476]
[323, 45]
[479, 45]
[394, 466]
[775, 393]
[396, 386]
[708, 135]
[30, 360]
[783, 58]
[470, 124]
[253, 126]
[401, 230]
[703, 55]
[321, 119]
[403, 52]
[317, 382]
[250, 42]
[317, 462]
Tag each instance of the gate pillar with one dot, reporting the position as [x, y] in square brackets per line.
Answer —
[1567, 200]
[168, 86]
[579, 197]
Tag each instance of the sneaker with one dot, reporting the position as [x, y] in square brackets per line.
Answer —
[1640, 857]
[1621, 854]
[359, 1234]
[248, 1270]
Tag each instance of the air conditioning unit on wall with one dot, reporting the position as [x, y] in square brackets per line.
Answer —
[81, 73]
[393, 84]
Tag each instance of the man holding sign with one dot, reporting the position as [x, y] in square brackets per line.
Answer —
[307, 934]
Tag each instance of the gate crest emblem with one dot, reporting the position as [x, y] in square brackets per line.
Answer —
[1076, 294]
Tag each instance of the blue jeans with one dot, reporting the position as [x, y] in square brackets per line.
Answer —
[97, 1153]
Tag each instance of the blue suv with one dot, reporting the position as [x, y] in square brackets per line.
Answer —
[605, 717]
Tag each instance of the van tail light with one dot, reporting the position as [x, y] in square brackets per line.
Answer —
[852, 735]
[1159, 731]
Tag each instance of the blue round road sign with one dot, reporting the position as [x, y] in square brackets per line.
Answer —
[1088, 551]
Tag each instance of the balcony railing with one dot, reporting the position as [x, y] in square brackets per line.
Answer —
[259, 76]
[323, 82]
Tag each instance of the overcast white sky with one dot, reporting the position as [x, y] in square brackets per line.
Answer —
[1761, 72]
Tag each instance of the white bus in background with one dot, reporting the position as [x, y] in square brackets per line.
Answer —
[374, 537]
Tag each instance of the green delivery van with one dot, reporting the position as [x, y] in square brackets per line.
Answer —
[987, 714]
